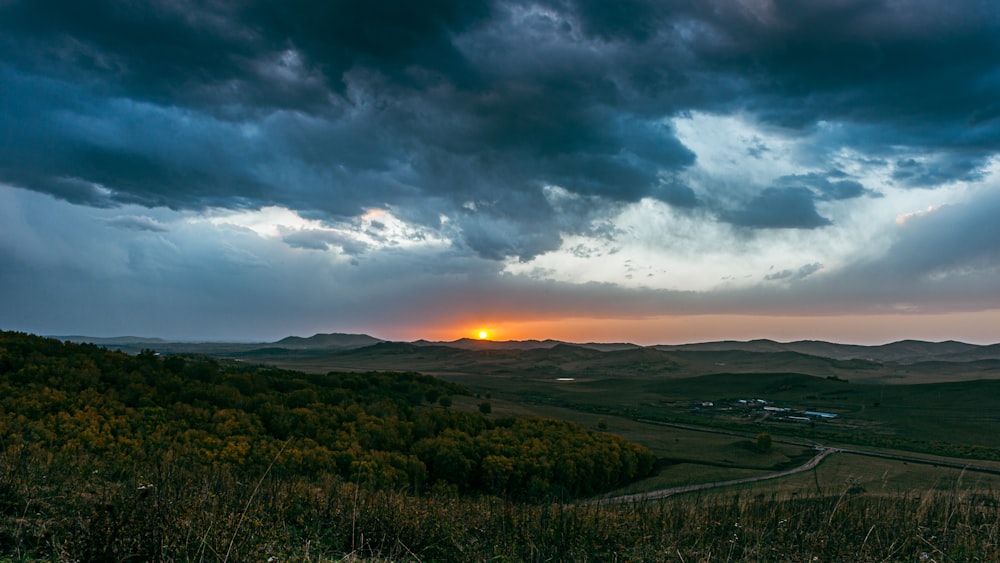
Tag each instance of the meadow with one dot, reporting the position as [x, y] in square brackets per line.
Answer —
[173, 515]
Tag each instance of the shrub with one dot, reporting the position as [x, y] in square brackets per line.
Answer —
[763, 443]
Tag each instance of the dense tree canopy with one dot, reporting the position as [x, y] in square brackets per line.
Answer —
[78, 401]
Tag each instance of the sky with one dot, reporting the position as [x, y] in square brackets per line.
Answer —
[651, 171]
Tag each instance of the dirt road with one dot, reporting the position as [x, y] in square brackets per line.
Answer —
[823, 453]
[663, 493]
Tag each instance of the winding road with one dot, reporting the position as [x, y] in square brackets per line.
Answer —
[663, 493]
[812, 463]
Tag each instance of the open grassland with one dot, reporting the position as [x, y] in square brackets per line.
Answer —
[93, 512]
[956, 419]
[693, 456]
[839, 475]
[690, 456]
[856, 475]
[586, 363]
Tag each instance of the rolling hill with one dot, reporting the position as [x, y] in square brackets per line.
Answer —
[903, 361]
[332, 340]
[903, 351]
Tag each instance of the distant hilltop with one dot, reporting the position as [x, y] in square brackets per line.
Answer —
[332, 340]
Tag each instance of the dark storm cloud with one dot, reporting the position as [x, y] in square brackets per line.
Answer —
[832, 186]
[632, 20]
[394, 37]
[780, 208]
[916, 74]
[331, 108]
[495, 238]
[911, 62]
[932, 172]
[676, 193]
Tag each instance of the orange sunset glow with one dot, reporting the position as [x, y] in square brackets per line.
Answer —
[856, 329]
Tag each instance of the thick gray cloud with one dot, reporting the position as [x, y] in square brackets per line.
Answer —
[780, 208]
[832, 186]
[937, 243]
[935, 171]
[334, 107]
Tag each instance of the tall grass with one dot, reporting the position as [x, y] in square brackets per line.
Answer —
[87, 511]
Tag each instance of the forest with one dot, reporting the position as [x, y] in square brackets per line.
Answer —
[71, 400]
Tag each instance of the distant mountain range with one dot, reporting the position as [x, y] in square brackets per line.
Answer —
[901, 352]
[910, 361]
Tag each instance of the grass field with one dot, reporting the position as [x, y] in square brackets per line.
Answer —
[957, 413]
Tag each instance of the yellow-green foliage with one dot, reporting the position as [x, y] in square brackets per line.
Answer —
[63, 400]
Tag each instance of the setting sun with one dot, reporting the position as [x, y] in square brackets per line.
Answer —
[483, 334]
